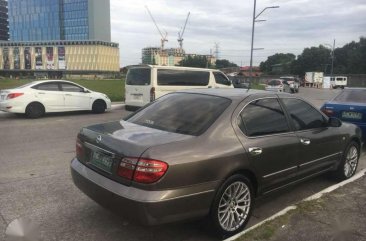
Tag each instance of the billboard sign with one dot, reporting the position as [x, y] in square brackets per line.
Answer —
[39, 62]
[27, 58]
[6, 61]
[49, 56]
[61, 58]
[16, 56]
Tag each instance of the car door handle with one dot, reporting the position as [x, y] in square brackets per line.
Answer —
[41, 93]
[68, 94]
[254, 151]
[305, 141]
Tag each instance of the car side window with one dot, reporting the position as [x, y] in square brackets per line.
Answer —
[48, 87]
[303, 116]
[221, 79]
[263, 117]
[71, 88]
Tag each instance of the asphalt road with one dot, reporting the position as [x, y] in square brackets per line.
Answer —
[35, 183]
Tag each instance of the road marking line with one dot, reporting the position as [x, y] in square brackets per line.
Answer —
[292, 207]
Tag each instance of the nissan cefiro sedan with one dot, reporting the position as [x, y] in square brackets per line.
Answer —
[39, 97]
[199, 153]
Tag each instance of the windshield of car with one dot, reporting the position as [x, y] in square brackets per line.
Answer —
[25, 85]
[138, 76]
[182, 113]
[358, 96]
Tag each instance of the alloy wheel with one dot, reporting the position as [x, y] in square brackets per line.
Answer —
[351, 161]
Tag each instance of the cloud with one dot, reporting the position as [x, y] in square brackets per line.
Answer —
[295, 25]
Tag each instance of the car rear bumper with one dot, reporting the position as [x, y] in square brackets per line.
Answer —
[142, 206]
[11, 106]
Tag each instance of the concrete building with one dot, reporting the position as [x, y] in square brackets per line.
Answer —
[43, 20]
[168, 57]
[4, 23]
[59, 58]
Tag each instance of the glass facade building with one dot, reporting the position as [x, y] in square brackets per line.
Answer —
[41, 20]
[4, 24]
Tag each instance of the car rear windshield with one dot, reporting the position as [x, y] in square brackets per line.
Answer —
[183, 113]
[183, 77]
[274, 82]
[138, 76]
[358, 96]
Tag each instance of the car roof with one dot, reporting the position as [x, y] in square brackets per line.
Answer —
[234, 94]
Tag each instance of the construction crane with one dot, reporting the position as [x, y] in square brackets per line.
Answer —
[180, 33]
[163, 37]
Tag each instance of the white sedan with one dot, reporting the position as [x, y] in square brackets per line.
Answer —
[40, 97]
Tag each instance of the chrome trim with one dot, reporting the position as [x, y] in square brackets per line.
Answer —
[284, 170]
[91, 146]
[319, 159]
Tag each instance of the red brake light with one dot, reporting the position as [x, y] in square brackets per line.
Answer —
[328, 112]
[14, 95]
[152, 94]
[142, 170]
[79, 148]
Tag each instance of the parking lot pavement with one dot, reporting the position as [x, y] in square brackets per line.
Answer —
[35, 183]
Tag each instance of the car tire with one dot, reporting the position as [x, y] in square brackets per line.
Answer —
[348, 166]
[34, 110]
[99, 107]
[231, 210]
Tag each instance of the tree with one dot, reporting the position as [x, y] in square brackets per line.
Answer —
[280, 60]
[198, 61]
[224, 63]
[312, 59]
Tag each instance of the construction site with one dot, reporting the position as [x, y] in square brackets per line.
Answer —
[171, 56]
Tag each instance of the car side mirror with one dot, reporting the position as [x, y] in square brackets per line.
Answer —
[86, 91]
[334, 122]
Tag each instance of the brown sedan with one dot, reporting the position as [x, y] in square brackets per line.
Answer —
[209, 152]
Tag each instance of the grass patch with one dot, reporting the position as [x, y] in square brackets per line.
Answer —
[257, 86]
[114, 88]
[268, 230]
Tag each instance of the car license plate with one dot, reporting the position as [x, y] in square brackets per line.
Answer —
[136, 96]
[352, 115]
[102, 161]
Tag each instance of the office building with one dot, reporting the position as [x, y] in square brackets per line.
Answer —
[44, 20]
[4, 23]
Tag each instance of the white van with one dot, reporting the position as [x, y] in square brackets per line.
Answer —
[145, 83]
[338, 81]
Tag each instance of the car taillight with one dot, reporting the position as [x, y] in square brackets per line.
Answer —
[142, 170]
[152, 94]
[328, 112]
[79, 148]
[14, 95]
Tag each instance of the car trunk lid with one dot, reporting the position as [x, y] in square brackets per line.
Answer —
[105, 145]
[348, 112]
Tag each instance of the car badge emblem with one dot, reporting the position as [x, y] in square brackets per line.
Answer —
[99, 139]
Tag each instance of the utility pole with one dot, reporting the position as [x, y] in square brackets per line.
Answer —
[331, 70]
[253, 26]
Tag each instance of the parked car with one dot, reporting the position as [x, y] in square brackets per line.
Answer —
[349, 106]
[277, 85]
[145, 83]
[292, 82]
[39, 97]
[209, 152]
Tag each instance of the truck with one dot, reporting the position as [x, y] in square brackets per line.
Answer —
[338, 82]
[314, 77]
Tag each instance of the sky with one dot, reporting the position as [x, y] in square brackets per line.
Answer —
[295, 25]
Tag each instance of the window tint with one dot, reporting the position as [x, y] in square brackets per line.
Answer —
[183, 77]
[274, 82]
[189, 114]
[263, 117]
[138, 76]
[47, 86]
[352, 96]
[71, 88]
[303, 115]
[221, 79]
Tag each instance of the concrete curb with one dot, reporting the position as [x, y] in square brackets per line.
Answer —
[292, 207]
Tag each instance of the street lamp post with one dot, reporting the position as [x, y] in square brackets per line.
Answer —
[253, 27]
